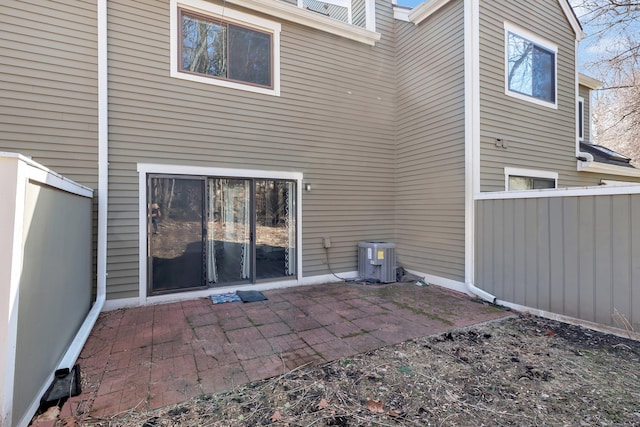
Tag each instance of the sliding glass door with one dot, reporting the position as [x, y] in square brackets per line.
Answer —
[220, 231]
[175, 230]
[229, 258]
[275, 209]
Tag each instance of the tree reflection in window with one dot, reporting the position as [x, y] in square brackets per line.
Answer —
[223, 50]
[531, 69]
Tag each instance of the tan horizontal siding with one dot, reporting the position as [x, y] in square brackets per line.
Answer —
[538, 137]
[430, 147]
[333, 122]
[48, 85]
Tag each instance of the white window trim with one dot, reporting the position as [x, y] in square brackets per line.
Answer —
[581, 114]
[229, 15]
[425, 10]
[520, 32]
[144, 169]
[529, 173]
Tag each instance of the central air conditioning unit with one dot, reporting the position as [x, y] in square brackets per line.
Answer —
[377, 261]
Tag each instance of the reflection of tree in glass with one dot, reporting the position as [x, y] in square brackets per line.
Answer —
[543, 75]
[225, 50]
[204, 46]
[531, 69]
[520, 64]
[249, 55]
[179, 199]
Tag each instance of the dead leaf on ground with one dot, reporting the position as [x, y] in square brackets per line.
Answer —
[375, 406]
[393, 413]
[277, 416]
[323, 404]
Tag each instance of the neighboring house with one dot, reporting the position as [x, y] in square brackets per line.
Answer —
[230, 142]
[593, 157]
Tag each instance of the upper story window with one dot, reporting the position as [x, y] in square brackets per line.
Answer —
[530, 67]
[221, 46]
[224, 50]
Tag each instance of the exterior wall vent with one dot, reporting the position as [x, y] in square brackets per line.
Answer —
[377, 261]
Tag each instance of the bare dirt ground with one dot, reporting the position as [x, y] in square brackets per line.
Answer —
[520, 371]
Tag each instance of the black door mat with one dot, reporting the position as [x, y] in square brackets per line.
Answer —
[251, 296]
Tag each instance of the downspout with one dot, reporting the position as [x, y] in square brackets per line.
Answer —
[80, 339]
[472, 141]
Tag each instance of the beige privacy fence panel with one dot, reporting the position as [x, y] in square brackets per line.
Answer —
[577, 256]
[45, 266]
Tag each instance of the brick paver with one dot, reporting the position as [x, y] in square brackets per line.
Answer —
[150, 357]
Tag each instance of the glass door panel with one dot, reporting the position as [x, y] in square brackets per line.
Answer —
[275, 214]
[175, 230]
[229, 255]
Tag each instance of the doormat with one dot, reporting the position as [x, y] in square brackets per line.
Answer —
[251, 296]
[226, 297]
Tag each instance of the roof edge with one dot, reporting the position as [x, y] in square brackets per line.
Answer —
[590, 82]
[425, 10]
[572, 18]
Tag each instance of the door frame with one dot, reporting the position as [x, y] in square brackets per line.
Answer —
[147, 168]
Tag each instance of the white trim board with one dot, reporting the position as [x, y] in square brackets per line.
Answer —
[146, 168]
[598, 167]
[425, 10]
[401, 13]
[472, 130]
[293, 13]
[589, 82]
[117, 304]
[44, 175]
[602, 190]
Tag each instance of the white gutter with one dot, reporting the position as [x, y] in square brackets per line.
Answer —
[80, 339]
[472, 140]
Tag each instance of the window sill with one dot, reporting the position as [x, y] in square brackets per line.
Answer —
[295, 14]
[531, 99]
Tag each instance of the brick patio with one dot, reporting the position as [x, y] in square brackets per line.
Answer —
[149, 357]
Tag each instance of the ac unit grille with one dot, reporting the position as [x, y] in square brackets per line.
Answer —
[377, 261]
